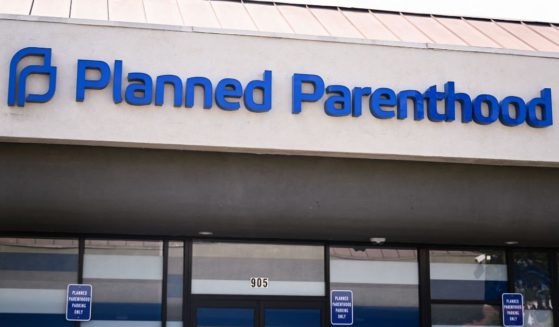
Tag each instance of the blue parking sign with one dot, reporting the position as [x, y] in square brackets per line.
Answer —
[513, 309]
[78, 302]
[341, 308]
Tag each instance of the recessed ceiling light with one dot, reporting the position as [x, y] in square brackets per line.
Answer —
[377, 240]
[205, 233]
[511, 242]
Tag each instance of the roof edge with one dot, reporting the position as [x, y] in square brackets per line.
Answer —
[303, 37]
[377, 6]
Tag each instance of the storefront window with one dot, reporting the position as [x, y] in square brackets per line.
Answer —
[466, 315]
[384, 283]
[127, 281]
[34, 274]
[532, 278]
[468, 275]
[175, 269]
[257, 269]
[475, 278]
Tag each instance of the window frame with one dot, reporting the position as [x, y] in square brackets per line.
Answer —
[425, 300]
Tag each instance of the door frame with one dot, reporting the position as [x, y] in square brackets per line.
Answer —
[258, 303]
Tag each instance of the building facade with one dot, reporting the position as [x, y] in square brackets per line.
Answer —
[224, 163]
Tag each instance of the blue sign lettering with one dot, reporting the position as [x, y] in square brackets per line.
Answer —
[141, 89]
[385, 103]
[513, 309]
[341, 308]
[78, 302]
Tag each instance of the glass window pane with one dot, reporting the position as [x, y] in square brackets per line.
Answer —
[127, 281]
[292, 318]
[532, 278]
[224, 317]
[466, 315]
[175, 269]
[384, 284]
[538, 318]
[227, 268]
[34, 274]
[468, 275]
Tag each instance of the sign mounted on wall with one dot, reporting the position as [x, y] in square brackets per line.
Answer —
[275, 96]
[341, 308]
[78, 302]
[141, 89]
[513, 309]
[259, 282]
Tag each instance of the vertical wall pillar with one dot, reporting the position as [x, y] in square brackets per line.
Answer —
[165, 283]
[424, 287]
[187, 318]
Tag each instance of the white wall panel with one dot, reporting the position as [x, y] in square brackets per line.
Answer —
[98, 121]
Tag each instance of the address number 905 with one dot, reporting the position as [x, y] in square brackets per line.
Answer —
[259, 282]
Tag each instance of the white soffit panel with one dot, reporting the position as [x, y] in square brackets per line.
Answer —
[127, 11]
[467, 32]
[19, 7]
[52, 8]
[198, 13]
[535, 10]
[335, 22]
[162, 12]
[232, 15]
[436, 31]
[301, 20]
[499, 35]
[268, 18]
[530, 37]
[369, 25]
[90, 9]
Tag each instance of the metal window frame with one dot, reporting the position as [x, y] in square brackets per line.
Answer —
[189, 299]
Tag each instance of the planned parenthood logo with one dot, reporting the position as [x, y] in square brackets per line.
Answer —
[17, 93]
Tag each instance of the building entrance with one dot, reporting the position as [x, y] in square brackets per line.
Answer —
[257, 312]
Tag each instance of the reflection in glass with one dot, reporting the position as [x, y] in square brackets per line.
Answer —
[127, 278]
[292, 318]
[34, 274]
[538, 318]
[468, 275]
[473, 275]
[384, 284]
[533, 279]
[465, 315]
[224, 317]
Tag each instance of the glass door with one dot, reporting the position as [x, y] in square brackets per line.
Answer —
[225, 317]
[291, 314]
[225, 313]
[257, 313]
